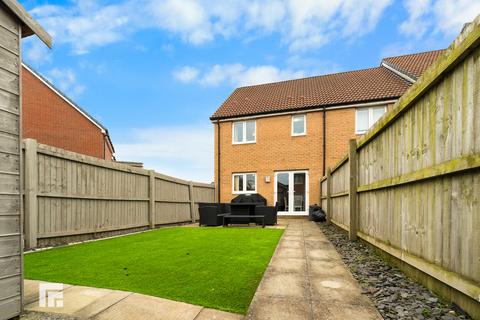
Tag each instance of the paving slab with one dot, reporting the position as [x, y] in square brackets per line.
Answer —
[139, 306]
[288, 265]
[307, 279]
[212, 314]
[74, 299]
[105, 304]
[31, 293]
[295, 244]
[284, 285]
[269, 308]
[101, 304]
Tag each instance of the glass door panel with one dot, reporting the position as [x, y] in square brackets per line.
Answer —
[299, 191]
[283, 188]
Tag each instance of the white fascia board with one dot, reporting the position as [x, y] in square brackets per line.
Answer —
[398, 73]
[303, 111]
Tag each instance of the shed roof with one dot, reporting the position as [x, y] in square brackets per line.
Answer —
[29, 25]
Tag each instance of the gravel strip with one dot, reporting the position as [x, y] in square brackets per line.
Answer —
[395, 295]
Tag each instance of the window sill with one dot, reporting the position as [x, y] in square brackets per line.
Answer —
[244, 192]
[299, 135]
[240, 143]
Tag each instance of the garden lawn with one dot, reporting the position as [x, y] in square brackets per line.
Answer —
[213, 267]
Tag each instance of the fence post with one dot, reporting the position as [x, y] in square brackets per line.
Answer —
[329, 195]
[31, 190]
[192, 201]
[151, 199]
[353, 208]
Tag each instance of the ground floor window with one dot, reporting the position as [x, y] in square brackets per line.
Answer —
[244, 183]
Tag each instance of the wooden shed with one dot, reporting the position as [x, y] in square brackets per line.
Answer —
[15, 23]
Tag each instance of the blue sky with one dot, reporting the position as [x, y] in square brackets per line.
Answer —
[153, 71]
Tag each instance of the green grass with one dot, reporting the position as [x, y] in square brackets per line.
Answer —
[214, 267]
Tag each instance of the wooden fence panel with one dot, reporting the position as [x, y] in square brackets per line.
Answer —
[77, 195]
[172, 200]
[340, 186]
[323, 193]
[419, 174]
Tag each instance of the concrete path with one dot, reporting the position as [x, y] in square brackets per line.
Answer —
[94, 303]
[307, 279]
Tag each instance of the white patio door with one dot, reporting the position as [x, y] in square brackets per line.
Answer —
[291, 192]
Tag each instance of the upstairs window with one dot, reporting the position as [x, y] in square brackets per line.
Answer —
[244, 183]
[299, 125]
[244, 132]
[366, 118]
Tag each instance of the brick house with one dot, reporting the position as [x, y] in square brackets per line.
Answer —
[52, 118]
[277, 139]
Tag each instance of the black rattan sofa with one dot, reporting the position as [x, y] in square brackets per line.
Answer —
[270, 214]
[211, 214]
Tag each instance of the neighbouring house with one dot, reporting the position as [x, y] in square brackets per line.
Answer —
[277, 139]
[52, 118]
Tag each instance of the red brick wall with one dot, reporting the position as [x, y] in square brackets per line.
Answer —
[52, 121]
[276, 150]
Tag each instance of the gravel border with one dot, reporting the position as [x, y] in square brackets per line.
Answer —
[394, 294]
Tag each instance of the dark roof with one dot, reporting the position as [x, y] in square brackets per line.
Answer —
[413, 65]
[366, 85]
[328, 90]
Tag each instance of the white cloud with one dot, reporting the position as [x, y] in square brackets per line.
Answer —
[36, 51]
[181, 151]
[86, 24]
[415, 25]
[66, 81]
[235, 75]
[186, 74]
[186, 17]
[452, 15]
[444, 16]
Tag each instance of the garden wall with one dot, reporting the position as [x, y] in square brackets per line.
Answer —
[71, 197]
[411, 185]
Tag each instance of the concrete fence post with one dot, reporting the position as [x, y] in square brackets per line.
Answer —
[31, 191]
[151, 199]
[353, 196]
[192, 201]
[329, 195]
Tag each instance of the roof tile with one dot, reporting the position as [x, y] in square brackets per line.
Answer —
[365, 85]
[413, 64]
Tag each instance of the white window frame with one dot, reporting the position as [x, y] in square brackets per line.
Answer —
[244, 138]
[370, 117]
[244, 191]
[304, 133]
